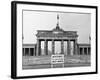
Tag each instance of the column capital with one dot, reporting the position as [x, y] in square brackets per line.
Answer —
[69, 39]
[37, 38]
[45, 39]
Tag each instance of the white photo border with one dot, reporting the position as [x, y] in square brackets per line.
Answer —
[20, 6]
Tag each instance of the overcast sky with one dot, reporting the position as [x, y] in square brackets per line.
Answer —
[36, 20]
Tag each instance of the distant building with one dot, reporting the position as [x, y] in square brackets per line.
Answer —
[84, 49]
[29, 49]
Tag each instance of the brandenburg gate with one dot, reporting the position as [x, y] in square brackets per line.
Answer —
[56, 34]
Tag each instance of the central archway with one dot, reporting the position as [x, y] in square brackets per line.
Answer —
[57, 47]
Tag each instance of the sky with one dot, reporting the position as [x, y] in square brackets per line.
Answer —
[39, 20]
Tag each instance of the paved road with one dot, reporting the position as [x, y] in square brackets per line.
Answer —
[41, 66]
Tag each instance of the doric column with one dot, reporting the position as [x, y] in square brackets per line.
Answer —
[33, 52]
[72, 48]
[29, 52]
[68, 47]
[62, 47]
[24, 52]
[53, 46]
[87, 50]
[46, 47]
[82, 51]
[79, 51]
[38, 48]
[75, 47]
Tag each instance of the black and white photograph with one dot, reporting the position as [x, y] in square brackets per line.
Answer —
[54, 39]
